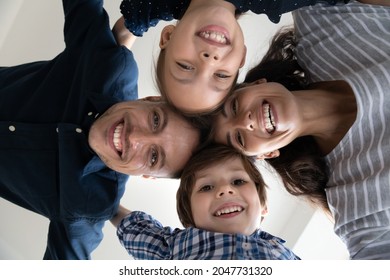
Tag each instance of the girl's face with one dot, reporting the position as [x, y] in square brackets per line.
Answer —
[259, 119]
[225, 199]
[203, 54]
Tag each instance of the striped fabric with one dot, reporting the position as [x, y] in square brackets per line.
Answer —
[145, 238]
[352, 43]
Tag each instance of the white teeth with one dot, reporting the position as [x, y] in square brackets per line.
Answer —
[117, 137]
[214, 36]
[228, 210]
[268, 118]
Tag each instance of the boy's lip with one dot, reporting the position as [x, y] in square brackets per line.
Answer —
[229, 209]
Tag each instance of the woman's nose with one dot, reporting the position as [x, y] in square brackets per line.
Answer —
[246, 121]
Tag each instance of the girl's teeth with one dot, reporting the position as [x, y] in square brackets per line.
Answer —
[214, 36]
[117, 137]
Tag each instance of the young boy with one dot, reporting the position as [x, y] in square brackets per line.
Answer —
[220, 202]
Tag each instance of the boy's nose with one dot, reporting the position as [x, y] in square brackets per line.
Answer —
[225, 190]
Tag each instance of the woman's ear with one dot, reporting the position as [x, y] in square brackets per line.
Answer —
[272, 154]
[166, 35]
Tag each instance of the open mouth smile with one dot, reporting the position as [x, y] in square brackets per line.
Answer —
[269, 119]
[228, 210]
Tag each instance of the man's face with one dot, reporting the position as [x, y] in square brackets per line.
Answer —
[143, 138]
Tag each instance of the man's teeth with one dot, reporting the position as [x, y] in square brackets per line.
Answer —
[268, 118]
[214, 36]
[117, 137]
[228, 210]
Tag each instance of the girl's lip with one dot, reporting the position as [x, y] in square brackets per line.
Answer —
[218, 29]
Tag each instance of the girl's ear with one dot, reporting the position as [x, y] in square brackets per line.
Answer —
[166, 35]
[272, 154]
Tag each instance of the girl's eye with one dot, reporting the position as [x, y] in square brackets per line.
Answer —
[185, 67]
[206, 188]
[222, 76]
[153, 157]
[238, 182]
[155, 121]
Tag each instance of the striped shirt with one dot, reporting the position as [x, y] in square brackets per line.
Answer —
[145, 238]
[352, 43]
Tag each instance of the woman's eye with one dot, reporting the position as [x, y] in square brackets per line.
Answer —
[155, 121]
[153, 157]
[240, 139]
[238, 182]
[206, 188]
[185, 67]
[222, 76]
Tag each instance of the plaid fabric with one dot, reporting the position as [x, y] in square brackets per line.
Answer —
[145, 238]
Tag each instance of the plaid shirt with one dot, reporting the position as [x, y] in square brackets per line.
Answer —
[145, 238]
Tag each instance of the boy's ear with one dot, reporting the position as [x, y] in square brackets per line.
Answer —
[166, 35]
[272, 154]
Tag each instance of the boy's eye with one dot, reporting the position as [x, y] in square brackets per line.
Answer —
[206, 188]
[238, 182]
[185, 66]
[155, 121]
[153, 157]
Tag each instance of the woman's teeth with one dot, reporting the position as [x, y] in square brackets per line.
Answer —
[117, 137]
[214, 36]
[268, 118]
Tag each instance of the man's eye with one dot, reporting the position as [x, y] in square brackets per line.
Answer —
[234, 105]
[153, 157]
[238, 182]
[185, 66]
[155, 121]
[206, 188]
[222, 76]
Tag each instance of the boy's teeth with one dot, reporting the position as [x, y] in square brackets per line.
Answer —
[117, 137]
[268, 118]
[228, 210]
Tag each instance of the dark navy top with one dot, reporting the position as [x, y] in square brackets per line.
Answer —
[140, 15]
[46, 109]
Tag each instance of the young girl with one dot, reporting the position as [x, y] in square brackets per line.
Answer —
[200, 56]
[221, 202]
[327, 139]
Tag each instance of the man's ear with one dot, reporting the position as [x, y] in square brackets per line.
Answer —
[272, 154]
[148, 177]
[166, 35]
[153, 98]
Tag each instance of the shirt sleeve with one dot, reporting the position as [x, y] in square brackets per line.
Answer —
[144, 237]
[73, 240]
[140, 15]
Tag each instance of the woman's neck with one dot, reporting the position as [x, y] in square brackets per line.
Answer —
[330, 112]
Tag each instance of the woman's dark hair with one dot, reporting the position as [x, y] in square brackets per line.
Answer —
[301, 165]
[212, 155]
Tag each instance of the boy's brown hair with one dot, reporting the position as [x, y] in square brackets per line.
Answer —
[209, 156]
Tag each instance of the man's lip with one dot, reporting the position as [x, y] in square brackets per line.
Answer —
[111, 136]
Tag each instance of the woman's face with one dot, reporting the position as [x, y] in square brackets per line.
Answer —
[203, 54]
[259, 119]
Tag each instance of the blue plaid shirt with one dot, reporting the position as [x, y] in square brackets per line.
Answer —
[145, 238]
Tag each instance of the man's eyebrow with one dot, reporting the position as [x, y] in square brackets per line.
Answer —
[163, 157]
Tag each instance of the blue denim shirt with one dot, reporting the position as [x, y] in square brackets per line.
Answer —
[46, 109]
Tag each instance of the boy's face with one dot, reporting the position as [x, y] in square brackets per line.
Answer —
[203, 54]
[143, 138]
[225, 199]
